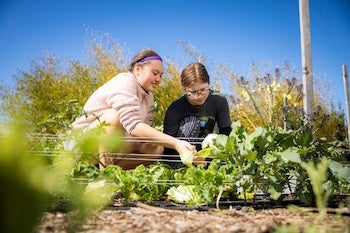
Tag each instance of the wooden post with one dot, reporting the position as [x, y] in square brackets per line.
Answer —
[306, 60]
[347, 97]
[285, 110]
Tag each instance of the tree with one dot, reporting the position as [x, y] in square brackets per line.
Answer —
[51, 94]
[48, 97]
[274, 98]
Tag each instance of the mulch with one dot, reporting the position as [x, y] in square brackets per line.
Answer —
[147, 218]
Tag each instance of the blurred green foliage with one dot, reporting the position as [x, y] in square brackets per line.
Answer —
[30, 185]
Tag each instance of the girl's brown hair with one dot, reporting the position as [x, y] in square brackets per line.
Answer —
[140, 56]
[194, 73]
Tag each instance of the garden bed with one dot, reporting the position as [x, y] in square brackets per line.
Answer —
[148, 218]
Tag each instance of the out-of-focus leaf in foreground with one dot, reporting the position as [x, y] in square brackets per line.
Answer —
[29, 184]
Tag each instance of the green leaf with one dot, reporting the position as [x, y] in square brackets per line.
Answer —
[256, 138]
[231, 145]
[274, 194]
[290, 155]
[221, 140]
[184, 194]
[339, 170]
[209, 140]
[251, 155]
[306, 138]
[187, 158]
[269, 158]
[203, 153]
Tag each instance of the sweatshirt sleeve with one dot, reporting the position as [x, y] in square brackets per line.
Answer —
[129, 103]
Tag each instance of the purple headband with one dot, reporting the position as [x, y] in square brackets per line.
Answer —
[151, 58]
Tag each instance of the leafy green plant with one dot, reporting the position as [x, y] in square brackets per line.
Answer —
[269, 158]
[263, 156]
[318, 176]
[198, 185]
[142, 183]
[322, 189]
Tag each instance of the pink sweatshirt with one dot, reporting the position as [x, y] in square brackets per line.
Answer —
[124, 94]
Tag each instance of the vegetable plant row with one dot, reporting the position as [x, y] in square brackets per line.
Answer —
[269, 159]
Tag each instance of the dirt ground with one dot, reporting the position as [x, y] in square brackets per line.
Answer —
[147, 218]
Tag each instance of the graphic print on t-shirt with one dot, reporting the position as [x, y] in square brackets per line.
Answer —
[189, 127]
[193, 127]
[207, 126]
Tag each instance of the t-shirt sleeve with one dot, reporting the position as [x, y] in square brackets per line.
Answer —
[171, 123]
[223, 117]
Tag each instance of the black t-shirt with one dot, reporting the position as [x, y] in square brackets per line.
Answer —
[194, 123]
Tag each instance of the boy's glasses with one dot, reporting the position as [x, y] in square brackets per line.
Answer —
[197, 93]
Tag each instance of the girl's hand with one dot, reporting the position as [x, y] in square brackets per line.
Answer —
[184, 146]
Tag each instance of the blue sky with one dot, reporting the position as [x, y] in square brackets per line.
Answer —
[235, 32]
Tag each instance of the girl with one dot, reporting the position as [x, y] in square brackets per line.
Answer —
[126, 103]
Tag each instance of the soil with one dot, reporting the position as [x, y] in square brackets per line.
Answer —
[149, 218]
